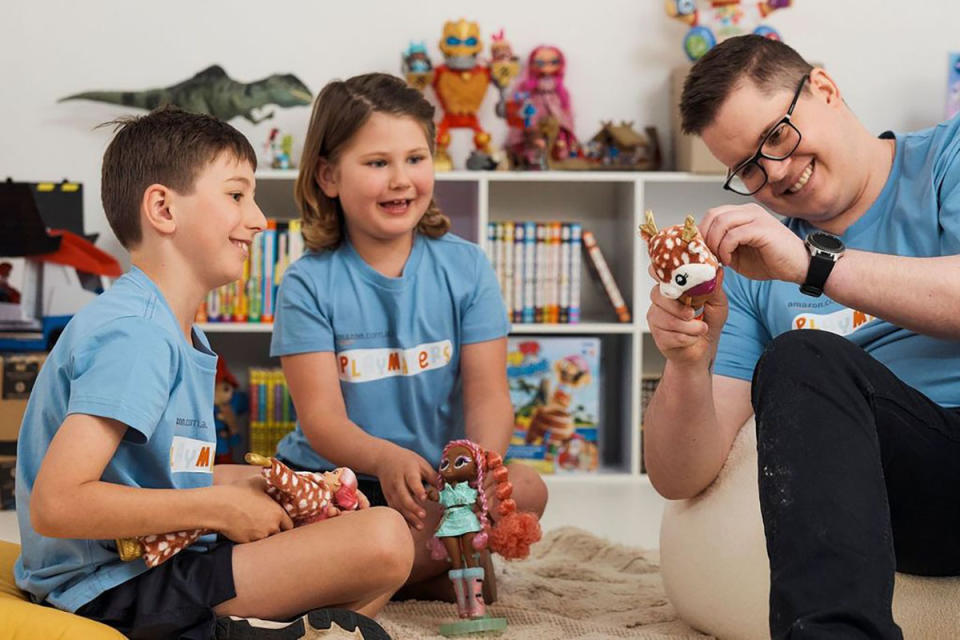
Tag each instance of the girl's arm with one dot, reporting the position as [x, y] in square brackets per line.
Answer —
[69, 500]
[315, 389]
[486, 394]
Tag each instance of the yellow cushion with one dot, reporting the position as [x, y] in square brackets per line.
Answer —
[23, 620]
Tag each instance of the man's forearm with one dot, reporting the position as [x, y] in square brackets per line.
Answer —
[920, 294]
[683, 443]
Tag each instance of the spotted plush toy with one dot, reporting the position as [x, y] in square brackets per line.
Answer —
[686, 268]
[305, 496]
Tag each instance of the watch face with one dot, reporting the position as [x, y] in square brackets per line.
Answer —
[826, 242]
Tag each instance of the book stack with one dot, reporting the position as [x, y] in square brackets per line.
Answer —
[252, 298]
[538, 269]
[272, 415]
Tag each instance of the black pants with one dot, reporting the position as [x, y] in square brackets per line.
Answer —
[859, 477]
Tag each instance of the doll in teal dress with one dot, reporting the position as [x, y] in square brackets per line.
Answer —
[465, 528]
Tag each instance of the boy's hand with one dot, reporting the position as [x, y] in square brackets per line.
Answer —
[682, 338]
[248, 513]
[402, 474]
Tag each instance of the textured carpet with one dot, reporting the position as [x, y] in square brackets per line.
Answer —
[573, 586]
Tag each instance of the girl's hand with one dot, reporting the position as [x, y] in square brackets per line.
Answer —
[402, 474]
[248, 513]
[433, 494]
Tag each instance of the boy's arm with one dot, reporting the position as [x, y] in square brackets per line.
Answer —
[70, 501]
[488, 412]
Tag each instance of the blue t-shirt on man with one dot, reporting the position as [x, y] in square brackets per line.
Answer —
[123, 357]
[397, 340]
[917, 214]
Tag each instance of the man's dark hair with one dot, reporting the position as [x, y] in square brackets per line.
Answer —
[770, 64]
[167, 146]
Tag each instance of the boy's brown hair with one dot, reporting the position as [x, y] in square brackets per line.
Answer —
[341, 108]
[770, 64]
[167, 146]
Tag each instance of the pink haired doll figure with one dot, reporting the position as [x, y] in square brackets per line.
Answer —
[548, 96]
[465, 529]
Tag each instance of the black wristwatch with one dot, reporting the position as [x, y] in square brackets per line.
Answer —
[825, 249]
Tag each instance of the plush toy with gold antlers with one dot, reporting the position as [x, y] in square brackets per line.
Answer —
[686, 268]
[305, 496]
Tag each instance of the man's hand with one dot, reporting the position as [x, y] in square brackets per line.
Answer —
[402, 474]
[755, 244]
[682, 338]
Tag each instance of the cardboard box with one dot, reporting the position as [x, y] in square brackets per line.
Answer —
[689, 152]
[7, 473]
[18, 372]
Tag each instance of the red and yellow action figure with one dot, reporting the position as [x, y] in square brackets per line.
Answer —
[461, 84]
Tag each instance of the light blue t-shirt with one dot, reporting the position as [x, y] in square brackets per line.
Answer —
[124, 357]
[397, 340]
[917, 214]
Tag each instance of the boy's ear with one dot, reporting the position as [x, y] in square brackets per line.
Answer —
[156, 208]
[327, 179]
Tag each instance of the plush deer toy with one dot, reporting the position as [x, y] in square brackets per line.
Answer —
[685, 267]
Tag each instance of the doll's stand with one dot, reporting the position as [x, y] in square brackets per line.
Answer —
[471, 626]
[716, 571]
[24, 620]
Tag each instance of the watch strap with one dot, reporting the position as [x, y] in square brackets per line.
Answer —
[817, 273]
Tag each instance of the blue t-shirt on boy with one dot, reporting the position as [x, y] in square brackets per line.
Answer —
[917, 214]
[397, 340]
[123, 357]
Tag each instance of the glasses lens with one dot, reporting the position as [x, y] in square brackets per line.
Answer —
[781, 142]
[748, 179]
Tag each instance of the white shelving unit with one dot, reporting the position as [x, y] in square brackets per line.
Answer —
[612, 205]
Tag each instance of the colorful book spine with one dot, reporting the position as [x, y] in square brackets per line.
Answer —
[564, 304]
[269, 236]
[529, 270]
[575, 245]
[519, 269]
[553, 274]
[606, 277]
[506, 251]
[541, 251]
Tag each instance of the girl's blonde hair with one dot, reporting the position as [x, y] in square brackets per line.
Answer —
[341, 108]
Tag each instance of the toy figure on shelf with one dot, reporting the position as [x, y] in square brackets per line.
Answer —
[718, 20]
[225, 414]
[686, 268]
[465, 529]
[279, 150]
[460, 84]
[620, 147]
[417, 67]
[547, 97]
[305, 496]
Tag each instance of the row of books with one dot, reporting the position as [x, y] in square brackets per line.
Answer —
[272, 414]
[538, 267]
[253, 297]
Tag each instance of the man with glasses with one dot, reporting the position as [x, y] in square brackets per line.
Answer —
[858, 426]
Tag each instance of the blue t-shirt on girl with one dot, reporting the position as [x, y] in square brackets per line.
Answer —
[397, 340]
[917, 214]
[123, 357]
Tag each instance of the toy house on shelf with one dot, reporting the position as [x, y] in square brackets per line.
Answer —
[620, 146]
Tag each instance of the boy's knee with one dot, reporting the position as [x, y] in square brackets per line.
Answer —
[389, 538]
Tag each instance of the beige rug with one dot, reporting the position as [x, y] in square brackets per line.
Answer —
[574, 585]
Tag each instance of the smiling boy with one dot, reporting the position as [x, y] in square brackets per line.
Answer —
[118, 436]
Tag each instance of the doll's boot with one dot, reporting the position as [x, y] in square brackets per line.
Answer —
[460, 589]
[473, 577]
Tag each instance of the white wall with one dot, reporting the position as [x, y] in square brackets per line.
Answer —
[890, 61]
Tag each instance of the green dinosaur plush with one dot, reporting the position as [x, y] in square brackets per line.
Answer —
[215, 93]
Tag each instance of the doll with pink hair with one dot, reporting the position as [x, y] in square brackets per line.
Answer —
[545, 92]
[466, 528]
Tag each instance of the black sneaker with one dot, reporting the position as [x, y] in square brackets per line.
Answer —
[319, 623]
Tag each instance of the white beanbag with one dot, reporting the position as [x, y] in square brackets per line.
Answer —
[716, 572]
